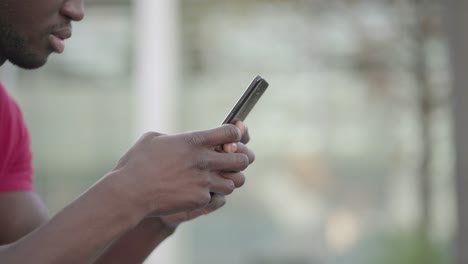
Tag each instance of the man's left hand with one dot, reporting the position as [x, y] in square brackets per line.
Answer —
[217, 200]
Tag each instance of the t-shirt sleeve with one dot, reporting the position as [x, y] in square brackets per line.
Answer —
[16, 169]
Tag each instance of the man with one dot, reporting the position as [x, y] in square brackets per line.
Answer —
[160, 182]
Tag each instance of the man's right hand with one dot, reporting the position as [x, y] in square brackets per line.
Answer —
[165, 174]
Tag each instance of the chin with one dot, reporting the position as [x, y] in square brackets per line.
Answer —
[29, 62]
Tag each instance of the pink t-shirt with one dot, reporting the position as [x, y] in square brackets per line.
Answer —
[16, 168]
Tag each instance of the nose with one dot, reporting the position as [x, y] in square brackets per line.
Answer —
[73, 9]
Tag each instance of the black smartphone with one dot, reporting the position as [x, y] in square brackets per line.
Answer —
[247, 101]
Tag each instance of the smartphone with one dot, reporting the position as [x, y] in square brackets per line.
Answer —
[247, 101]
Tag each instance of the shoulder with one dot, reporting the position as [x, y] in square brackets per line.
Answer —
[15, 154]
[10, 113]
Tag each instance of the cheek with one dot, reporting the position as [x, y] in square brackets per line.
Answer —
[33, 18]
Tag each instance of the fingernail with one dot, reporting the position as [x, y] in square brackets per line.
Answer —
[230, 148]
[233, 147]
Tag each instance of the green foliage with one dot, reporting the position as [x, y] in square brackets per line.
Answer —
[277, 260]
[412, 248]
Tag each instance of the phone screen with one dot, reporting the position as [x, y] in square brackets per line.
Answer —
[247, 101]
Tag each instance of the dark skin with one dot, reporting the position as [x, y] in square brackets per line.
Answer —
[162, 181]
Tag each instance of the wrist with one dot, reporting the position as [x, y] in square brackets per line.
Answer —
[170, 225]
[161, 227]
[169, 229]
[130, 204]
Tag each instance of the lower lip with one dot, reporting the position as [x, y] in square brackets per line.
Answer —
[58, 44]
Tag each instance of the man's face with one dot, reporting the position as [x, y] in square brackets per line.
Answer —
[30, 30]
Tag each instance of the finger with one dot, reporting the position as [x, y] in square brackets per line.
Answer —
[216, 161]
[221, 185]
[237, 178]
[230, 148]
[217, 201]
[214, 137]
[244, 131]
[242, 148]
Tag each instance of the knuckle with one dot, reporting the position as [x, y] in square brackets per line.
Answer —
[243, 161]
[200, 200]
[219, 201]
[204, 164]
[252, 157]
[149, 135]
[232, 133]
[204, 199]
[238, 178]
[246, 138]
[195, 139]
[241, 180]
[204, 182]
[241, 148]
[230, 187]
[245, 149]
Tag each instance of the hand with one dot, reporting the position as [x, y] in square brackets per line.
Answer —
[165, 174]
[230, 148]
[172, 221]
[238, 177]
[217, 201]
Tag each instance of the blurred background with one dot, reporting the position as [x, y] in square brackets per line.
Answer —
[353, 138]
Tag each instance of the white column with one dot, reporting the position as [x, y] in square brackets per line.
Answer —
[155, 70]
[156, 64]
